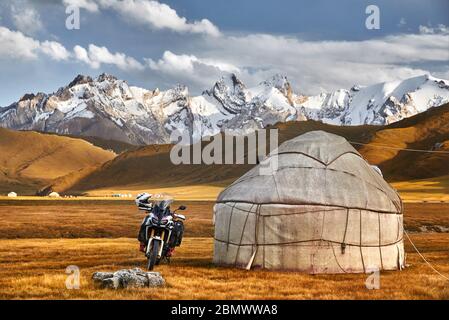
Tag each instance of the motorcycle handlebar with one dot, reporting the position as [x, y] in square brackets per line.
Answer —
[180, 216]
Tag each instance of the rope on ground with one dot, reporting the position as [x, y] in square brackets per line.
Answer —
[425, 260]
[395, 148]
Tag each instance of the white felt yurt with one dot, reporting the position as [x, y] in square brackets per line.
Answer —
[12, 195]
[54, 195]
[322, 209]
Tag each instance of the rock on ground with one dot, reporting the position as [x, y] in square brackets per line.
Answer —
[127, 278]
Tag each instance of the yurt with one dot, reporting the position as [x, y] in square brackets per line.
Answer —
[320, 209]
[54, 195]
[12, 195]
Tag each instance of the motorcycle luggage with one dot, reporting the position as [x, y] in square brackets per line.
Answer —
[178, 230]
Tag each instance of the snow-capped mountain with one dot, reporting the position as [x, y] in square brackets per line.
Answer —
[109, 108]
[379, 104]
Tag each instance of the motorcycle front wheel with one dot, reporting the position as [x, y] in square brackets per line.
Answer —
[152, 259]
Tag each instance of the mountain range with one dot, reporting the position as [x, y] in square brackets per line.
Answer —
[32, 161]
[150, 168]
[108, 108]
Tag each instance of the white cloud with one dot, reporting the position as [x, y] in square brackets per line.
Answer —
[95, 56]
[55, 50]
[310, 65]
[152, 14]
[172, 63]
[314, 65]
[26, 19]
[197, 73]
[89, 5]
[443, 74]
[158, 15]
[14, 44]
[81, 54]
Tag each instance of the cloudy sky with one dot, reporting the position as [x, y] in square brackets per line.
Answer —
[320, 45]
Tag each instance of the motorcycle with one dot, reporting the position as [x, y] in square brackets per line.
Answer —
[163, 231]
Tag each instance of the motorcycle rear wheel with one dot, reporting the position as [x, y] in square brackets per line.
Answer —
[152, 259]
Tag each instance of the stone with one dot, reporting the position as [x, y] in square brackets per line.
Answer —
[127, 278]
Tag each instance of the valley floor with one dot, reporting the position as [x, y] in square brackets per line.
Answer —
[39, 239]
[431, 189]
[35, 269]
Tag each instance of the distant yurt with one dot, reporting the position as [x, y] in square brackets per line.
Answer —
[321, 209]
[12, 195]
[54, 195]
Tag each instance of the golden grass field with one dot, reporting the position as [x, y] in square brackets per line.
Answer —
[430, 189]
[39, 239]
[34, 269]
[191, 193]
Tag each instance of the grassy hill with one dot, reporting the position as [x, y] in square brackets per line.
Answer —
[30, 160]
[425, 131]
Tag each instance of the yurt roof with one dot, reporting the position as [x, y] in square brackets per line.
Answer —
[315, 168]
[319, 145]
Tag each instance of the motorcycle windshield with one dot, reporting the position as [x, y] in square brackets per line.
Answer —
[160, 205]
[165, 204]
[163, 201]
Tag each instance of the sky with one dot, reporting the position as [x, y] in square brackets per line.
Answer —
[320, 45]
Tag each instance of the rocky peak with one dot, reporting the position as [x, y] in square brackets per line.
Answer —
[443, 84]
[227, 86]
[229, 83]
[236, 82]
[108, 107]
[106, 77]
[32, 97]
[279, 82]
[230, 92]
[27, 96]
[80, 79]
[355, 88]
[180, 92]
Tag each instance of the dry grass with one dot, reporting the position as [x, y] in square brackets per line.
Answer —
[194, 192]
[89, 219]
[35, 249]
[417, 215]
[30, 160]
[434, 189]
[35, 269]
[82, 218]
